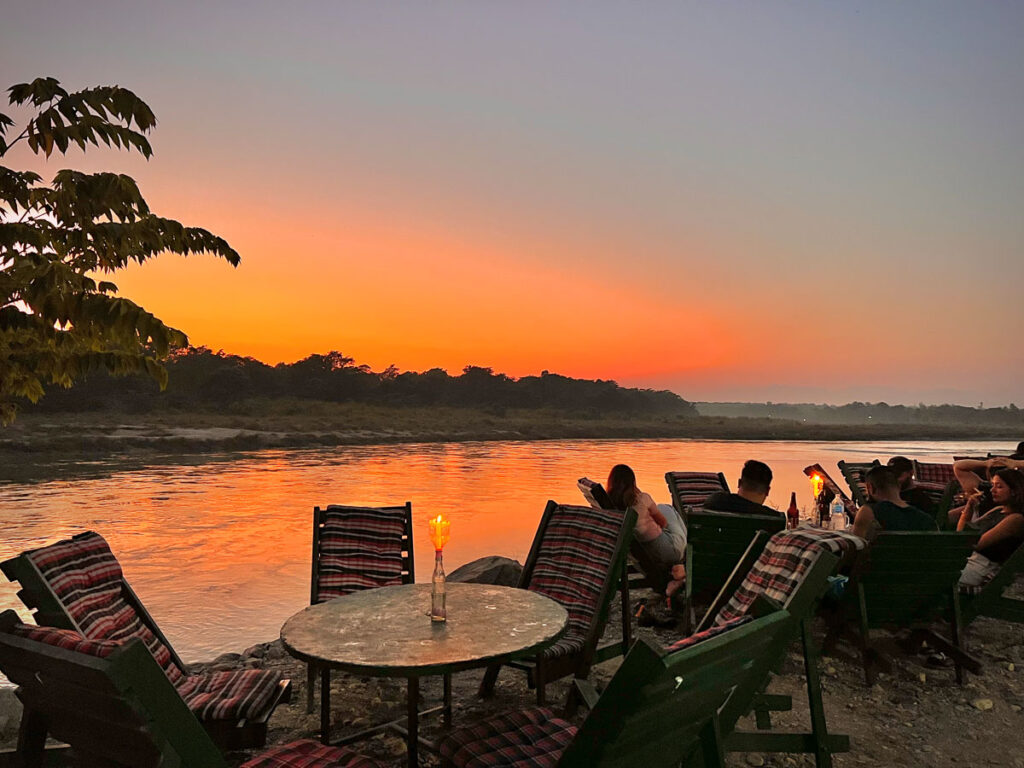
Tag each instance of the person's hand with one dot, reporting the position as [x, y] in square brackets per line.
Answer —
[973, 499]
[1000, 462]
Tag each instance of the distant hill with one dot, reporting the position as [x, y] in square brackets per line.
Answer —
[869, 413]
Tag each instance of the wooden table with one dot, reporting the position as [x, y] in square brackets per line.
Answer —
[387, 632]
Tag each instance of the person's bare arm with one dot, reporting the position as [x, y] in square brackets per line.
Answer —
[1011, 527]
[970, 509]
[966, 472]
[654, 512]
[864, 522]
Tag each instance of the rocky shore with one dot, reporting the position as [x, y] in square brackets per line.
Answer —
[916, 716]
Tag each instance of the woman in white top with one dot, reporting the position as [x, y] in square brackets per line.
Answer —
[659, 528]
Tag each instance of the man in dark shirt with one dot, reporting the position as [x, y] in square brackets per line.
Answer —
[755, 483]
[885, 509]
[914, 495]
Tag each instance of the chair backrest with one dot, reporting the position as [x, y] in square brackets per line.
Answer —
[691, 489]
[78, 584]
[594, 493]
[909, 577]
[657, 710]
[577, 559]
[718, 541]
[933, 473]
[360, 548]
[853, 472]
[110, 702]
[828, 482]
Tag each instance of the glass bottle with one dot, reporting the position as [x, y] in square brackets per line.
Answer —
[793, 514]
[437, 592]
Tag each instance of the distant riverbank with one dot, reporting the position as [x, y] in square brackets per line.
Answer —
[312, 424]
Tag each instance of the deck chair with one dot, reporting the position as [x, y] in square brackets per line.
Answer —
[832, 487]
[790, 569]
[853, 473]
[78, 585]
[691, 489]
[578, 559]
[908, 581]
[658, 710]
[716, 542]
[355, 548]
[113, 706]
[988, 599]
[941, 485]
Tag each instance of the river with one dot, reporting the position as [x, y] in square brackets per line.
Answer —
[218, 547]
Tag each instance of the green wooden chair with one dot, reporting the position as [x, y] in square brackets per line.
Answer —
[77, 584]
[801, 603]
[113, 706]
[578, 559]
[691, 489]
[659, 710]
[989, 600]
[716, 541]
[907, 582]
[853, 473]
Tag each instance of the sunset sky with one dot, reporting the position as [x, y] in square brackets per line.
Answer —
[734, 200]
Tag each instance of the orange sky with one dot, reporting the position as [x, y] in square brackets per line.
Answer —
[778, 204]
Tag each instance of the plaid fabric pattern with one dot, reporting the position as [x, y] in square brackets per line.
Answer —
[360, 548]
[229, 695]
[307, 753]
[66, 639]
[937, 474]
[693, 488]
[529, 738]
[572, 565]
[786, 558]
[707, 634]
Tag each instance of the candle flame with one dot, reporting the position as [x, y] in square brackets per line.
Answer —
[439, 532]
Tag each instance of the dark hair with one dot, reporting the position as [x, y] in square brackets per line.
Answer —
[622, 487]
[1015, 479]
[900, 464]
[1019, 453]
[882, 478]
[756, 476]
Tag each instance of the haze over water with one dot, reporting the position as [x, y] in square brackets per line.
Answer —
[219, 550]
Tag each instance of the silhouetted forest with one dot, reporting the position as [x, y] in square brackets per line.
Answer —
[870, 413]
[200, 379]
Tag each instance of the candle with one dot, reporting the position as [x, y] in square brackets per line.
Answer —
[439, 532]
[817, 483]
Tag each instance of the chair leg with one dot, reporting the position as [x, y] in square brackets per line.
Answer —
[32, 740]
[627, 614]
[711, 748]
[819, 730]
[310, 685]
[865, 637]
[490, 678]
[956, 632]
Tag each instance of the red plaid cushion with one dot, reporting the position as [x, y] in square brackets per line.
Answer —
[786, 558]
[940, 474]
[86, 577]
[229, 695]
[360, 548]
[66, 639]
[529, 738]
[310, 754]
[693, 488]
[707, 634]
[573, 562]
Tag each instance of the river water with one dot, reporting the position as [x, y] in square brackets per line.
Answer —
[218, 547]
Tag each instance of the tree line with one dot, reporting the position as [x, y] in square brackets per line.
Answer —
[871, 413]
[201, 379]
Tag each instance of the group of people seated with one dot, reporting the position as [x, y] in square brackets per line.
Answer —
[993, 489]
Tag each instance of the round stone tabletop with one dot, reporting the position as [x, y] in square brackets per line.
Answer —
[387, 632]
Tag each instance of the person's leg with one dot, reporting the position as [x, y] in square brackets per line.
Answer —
[978, 571]
[674, 524]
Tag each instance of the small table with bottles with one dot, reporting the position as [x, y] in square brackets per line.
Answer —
[387, 632]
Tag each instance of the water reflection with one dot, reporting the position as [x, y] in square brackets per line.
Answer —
[219, 550]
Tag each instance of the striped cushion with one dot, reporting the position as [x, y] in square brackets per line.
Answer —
[693, 488]
[530, 738]
[87, 579]
[229, 695]
[573, 563]
[66, 639]
[707, 634]
[940, 474]
[310, 754]
[360, 548]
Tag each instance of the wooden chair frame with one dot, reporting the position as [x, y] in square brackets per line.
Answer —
[408, 577]
[852, 473]
[48, 610]
[677, 500]
[541, 671]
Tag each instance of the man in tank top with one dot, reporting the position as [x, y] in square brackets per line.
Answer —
[886, 511]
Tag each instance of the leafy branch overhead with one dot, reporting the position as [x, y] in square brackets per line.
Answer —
[59, 317]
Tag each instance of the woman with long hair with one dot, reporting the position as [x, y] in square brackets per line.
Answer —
[659, 528]
[1002, 526]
